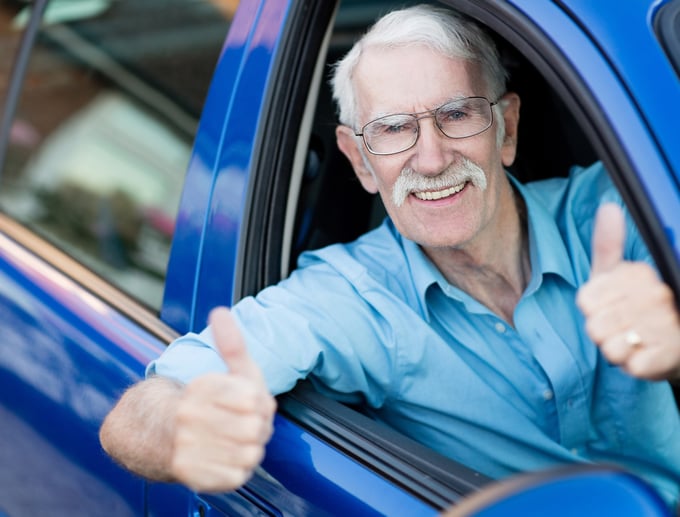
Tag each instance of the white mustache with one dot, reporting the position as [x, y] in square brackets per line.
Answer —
[461, 172]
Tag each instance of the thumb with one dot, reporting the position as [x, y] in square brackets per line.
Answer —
[230, 344]
[609, 237]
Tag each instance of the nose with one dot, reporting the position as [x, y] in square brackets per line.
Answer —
[430, 157]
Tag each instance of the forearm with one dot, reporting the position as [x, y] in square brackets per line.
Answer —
[208, 434]
[139, 431]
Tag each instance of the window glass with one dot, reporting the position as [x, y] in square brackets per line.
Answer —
[103, 131]
[9, 44]
[667, 24]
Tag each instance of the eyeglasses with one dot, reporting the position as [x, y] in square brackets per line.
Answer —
[459, 118]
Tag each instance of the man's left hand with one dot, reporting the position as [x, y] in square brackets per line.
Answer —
[630, 313]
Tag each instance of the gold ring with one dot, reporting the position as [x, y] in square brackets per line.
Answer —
[633, 339]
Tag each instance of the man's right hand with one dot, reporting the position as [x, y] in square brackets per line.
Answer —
[223, 420]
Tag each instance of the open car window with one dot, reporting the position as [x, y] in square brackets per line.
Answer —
[550, 143]
[561, 126]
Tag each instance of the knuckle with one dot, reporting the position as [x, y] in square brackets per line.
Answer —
[272, 406]
[181, 443]
[595, 330]
[183, 418]
[607, 349]
[250, 400]
[266, 431]
[635, 369]
[245, 427]
[644, 270]
[180, 469]
[613, 353]
[665, 294]
[257, 400]
[251, 456]
[639, 366]
[583, 299]
[258, 428]
[240, 476]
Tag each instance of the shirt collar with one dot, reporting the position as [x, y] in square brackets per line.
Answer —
[548, 254]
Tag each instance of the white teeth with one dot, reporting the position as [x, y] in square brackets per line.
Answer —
[439, 194]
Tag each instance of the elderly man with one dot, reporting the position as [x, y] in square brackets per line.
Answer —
[476, 319]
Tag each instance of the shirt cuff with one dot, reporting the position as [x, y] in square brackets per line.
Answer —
[186, 358]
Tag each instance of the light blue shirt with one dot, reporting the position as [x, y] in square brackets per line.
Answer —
[374, 321]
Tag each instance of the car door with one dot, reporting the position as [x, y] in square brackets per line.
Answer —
[270, 169]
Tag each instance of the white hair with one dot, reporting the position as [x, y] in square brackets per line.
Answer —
[441, 30]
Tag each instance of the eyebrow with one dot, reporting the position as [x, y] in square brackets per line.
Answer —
[382, 114]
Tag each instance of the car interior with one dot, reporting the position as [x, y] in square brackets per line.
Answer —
[333, 207]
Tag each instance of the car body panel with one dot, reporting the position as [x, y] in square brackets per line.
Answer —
[635, 124]
[58, 340]
[208, 225]
[654, 98]
[658, 113]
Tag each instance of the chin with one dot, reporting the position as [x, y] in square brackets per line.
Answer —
[432, 239]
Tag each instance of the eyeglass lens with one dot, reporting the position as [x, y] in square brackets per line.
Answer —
[459, 118]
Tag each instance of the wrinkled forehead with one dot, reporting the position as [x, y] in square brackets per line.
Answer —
[409, 79]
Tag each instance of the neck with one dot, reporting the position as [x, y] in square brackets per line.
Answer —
[495, 269]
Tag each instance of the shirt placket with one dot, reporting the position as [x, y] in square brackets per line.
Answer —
[567, 380]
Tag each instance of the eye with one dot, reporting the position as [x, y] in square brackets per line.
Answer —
[393, 125]
[392, 129]
[453, 113]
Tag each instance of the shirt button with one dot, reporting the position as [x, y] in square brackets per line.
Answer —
[500, 327]
[548, 394]
[574, 451]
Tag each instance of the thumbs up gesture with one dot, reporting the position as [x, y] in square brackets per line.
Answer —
[223, 420]
[630, 313]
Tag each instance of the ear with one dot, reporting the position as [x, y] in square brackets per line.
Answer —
[511, 104]
[349, 145]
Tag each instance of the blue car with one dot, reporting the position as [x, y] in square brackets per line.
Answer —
[161, 157]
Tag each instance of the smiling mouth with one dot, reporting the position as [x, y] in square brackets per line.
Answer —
[439, 194]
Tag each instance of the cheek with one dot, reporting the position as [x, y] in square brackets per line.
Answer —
[385, 172]
[490, 158]
[369, 182]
